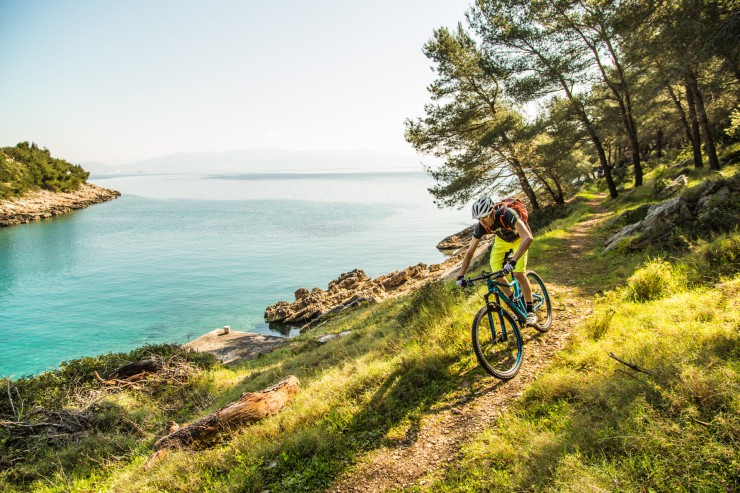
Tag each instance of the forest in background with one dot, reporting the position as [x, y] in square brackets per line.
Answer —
[532, 96]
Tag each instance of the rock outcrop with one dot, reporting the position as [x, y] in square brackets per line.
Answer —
[457, 240]
[234, 345]
[43, 204]
[680, 182]
[355, 287]
[711, 206]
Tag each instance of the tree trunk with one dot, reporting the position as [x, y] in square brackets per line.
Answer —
[659, 143]
[704, 122]
[636, 164]
[604, 164]
[620, 89]
[596, 141]
[545, 184]
[681, 113]
[524, 184]
[695, 135]
[560, 196]
[249, 408]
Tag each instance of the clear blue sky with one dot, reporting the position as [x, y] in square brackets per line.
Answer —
[116, 82]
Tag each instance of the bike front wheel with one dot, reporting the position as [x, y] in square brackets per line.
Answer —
[497, 342]
[541, 301]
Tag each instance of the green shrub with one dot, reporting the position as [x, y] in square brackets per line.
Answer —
[432, 301]
[56, 389]
[26, 167]
[655, 280]
[538, 220]
[731, 154]
[715, 258]
[659, 185]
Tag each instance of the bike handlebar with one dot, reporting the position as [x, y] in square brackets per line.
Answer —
[489, 275]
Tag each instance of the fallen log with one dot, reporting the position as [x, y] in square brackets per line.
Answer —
[249, 408]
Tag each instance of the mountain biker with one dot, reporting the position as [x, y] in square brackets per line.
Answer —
[512, 234]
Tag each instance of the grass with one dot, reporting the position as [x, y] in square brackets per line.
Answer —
[589, 423]
[592, 424]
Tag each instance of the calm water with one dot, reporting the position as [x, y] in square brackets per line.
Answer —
[179, 255]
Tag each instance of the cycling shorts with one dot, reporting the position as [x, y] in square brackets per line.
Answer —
[499, 250]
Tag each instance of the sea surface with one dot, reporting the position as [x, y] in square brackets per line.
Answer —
[178, 255]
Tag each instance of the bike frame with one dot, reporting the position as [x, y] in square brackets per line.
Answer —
[494, 288]
[517, 307]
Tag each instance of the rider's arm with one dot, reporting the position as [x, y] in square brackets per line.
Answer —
[469, 255]
[526, 235]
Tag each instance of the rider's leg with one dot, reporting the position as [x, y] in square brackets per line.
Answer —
[498, 252]
[520, 272]
[524, 284]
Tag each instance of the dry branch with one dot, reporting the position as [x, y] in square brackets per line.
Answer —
[630, 365]
[249, 408]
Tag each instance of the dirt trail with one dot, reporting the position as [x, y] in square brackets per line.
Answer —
[448, 425]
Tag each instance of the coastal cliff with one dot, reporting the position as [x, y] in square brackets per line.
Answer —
[43, 204]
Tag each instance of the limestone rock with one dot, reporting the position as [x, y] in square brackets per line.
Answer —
[277, 312]
[43, 204]
[680, 182]
[353, 288]
[348, 280]
[456, 241]
[348, 290]
[713, 205]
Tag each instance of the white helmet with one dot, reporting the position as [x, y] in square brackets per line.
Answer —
[482, 207]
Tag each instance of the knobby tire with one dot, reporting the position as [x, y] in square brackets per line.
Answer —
[538, 288]
[502, 359]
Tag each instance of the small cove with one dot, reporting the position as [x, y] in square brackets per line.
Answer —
[179, 255]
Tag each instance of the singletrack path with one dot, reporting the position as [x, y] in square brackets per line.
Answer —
[449, 424]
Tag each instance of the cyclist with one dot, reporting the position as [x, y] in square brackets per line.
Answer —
[512, 234]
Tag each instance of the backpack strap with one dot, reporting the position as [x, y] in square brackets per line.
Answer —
[500, 209]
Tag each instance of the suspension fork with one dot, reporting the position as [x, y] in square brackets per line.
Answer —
[496, 305]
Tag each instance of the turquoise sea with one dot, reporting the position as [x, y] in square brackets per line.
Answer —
[178, 255]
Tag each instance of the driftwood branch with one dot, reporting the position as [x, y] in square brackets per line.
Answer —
[249, 408]
[633, 366]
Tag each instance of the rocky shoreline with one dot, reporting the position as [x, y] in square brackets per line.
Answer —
[43, 204]
[311, 307]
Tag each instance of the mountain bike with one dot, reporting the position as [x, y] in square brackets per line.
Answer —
[497, 340]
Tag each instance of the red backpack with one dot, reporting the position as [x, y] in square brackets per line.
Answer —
[515, 204]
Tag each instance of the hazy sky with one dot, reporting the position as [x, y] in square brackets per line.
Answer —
[118, 81]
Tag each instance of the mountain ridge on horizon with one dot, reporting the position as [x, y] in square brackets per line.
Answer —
[265, 159]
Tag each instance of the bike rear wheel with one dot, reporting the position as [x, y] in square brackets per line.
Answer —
[497, 342]
[541, 300]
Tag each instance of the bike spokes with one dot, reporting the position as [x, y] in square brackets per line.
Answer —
[497, 342]
[541, 301]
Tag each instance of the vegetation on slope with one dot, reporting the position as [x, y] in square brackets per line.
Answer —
[589, 422]
[26, 167]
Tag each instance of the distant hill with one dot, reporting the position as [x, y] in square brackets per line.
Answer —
[27, 167]
[266, 159]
